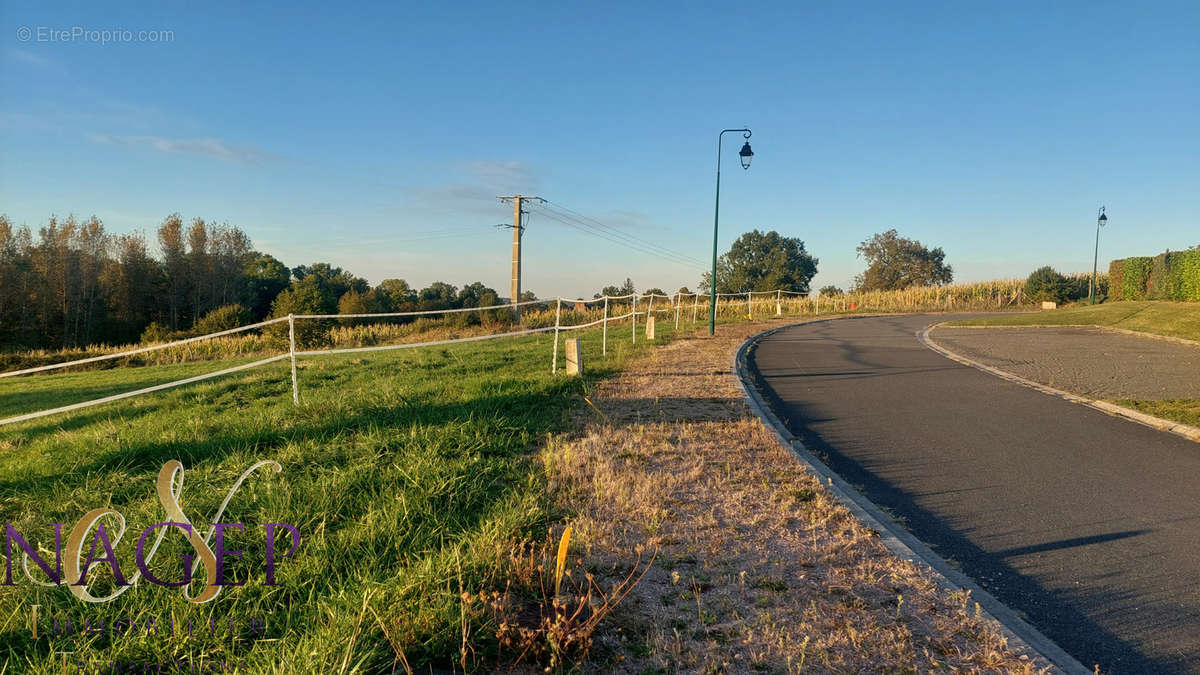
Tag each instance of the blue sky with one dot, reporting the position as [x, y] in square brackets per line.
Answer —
[350, 133]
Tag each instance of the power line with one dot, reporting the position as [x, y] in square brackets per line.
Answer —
[596, 228]
[625, 236]
[603, 235]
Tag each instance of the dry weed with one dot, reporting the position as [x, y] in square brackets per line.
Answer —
[758, 566]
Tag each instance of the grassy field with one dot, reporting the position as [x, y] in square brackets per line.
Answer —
[409, 475]
[1174, 319]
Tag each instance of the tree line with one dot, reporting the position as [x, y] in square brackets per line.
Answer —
[73, 283]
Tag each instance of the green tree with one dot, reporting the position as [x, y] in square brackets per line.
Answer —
[760, 261]
[438, 295]
[330, 283]
[472, 295]
[830, 290]
[1046, 284]
[263, 278]
[894, 262]
[222, 318]
[174, 251]
[400, 297]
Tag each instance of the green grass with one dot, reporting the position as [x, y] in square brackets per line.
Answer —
[1184, 410]
[1174, 319]
[410, 474]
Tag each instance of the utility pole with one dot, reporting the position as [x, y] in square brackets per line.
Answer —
[518, 229]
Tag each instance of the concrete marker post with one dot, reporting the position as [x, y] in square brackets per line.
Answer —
[574, 357]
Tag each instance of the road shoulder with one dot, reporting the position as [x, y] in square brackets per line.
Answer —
[1022, 637]
[758, 564]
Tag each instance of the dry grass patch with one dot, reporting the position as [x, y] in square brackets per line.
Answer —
[757, 567]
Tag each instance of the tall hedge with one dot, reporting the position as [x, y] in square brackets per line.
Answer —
[1186, 266]
[1116, 279]
[1174, 275]
[1137, 273]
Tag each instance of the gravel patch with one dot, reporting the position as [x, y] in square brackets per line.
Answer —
[1083, 360]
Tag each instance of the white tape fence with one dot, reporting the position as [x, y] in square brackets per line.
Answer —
[755, 303]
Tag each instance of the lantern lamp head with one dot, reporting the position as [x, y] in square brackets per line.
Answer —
[746, 154]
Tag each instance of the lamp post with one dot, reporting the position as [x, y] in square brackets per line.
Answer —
[1101, 221]
[745, 155]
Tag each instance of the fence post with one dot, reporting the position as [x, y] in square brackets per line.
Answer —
[676, 303]
[695, 306]
[557, 315]
[635, 318]
[604, 342]
[292, 353]
[749, 306]
[778, 302]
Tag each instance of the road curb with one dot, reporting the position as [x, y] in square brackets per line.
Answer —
[1178, 428]
[1022, 637]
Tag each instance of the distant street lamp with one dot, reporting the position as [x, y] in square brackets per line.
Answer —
[745, 155]
[1101, 221]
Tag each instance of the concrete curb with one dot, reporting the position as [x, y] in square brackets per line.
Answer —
[1179, 429]
[1022, 637]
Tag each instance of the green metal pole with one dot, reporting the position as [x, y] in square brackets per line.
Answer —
[1095, 260]
[712, 281]
[712, 287]
[1095, 264]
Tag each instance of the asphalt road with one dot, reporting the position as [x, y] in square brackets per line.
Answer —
[1088, 525]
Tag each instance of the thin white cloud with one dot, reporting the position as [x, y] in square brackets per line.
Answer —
[481, 181]
[502, 176]
[29, 57]
[211, 147]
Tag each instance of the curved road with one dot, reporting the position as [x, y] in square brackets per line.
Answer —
[1086, 524]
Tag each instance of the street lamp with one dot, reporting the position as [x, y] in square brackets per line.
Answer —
[1101, 221]
[745, 155]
